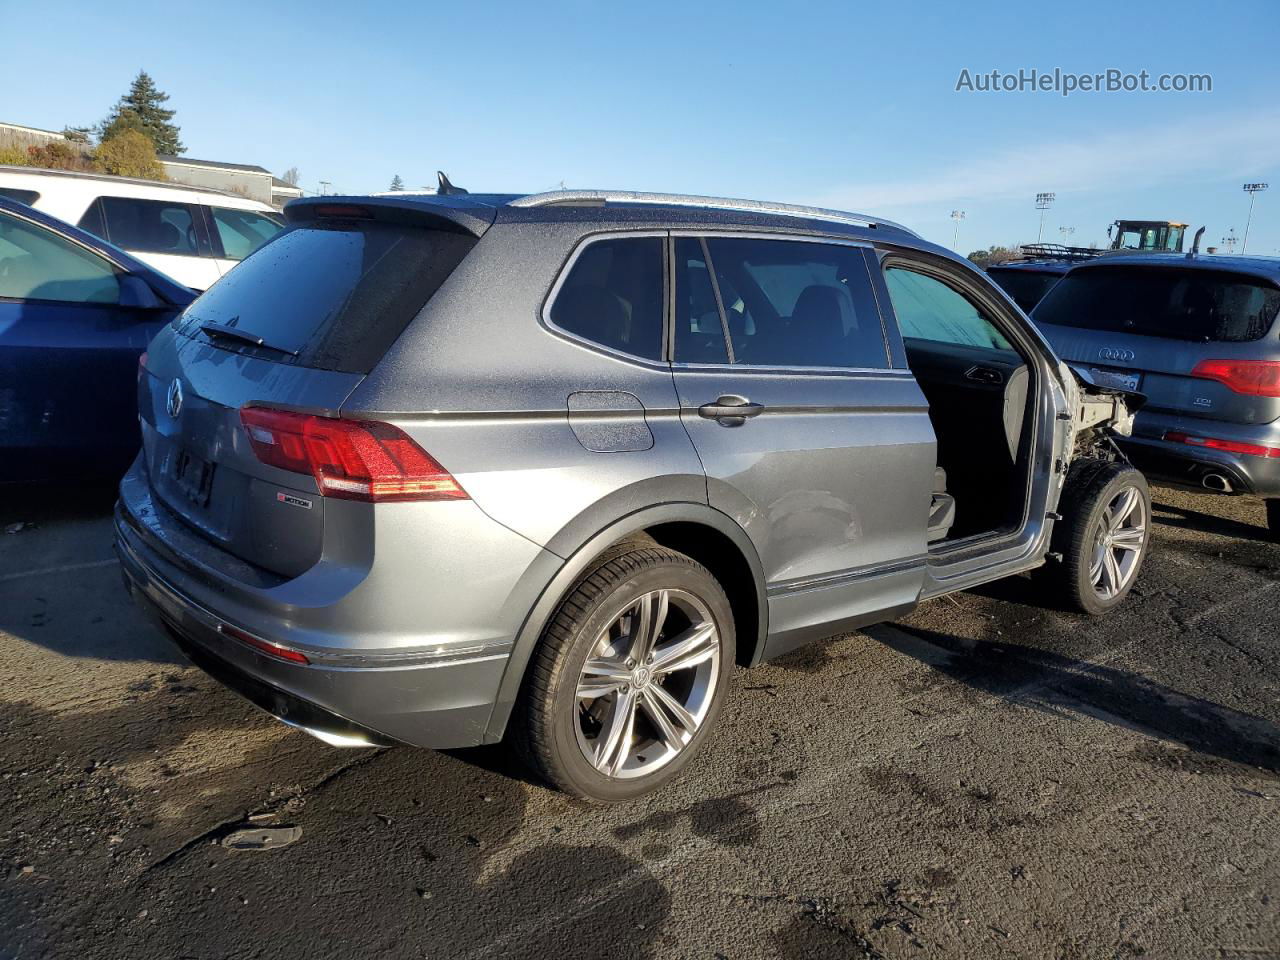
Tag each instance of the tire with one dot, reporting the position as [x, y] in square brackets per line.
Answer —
[1094, 494]
[1273, 519]
[575, 743]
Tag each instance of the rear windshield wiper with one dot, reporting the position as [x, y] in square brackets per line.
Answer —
[244, 336]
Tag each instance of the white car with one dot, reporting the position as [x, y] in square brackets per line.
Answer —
[193, 234]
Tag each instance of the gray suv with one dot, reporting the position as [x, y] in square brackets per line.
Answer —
[448, 470]
[1198, 337]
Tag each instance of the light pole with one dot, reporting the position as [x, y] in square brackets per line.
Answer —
[1066, 235]
[1252, 189]
[324, 187]
[1043, 202]
[957, 216]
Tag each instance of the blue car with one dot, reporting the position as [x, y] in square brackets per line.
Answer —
[75, 315]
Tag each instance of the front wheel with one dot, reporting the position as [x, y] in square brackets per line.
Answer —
[629, 676]
[1103, 535]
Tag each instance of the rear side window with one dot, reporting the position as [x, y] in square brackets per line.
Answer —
[22, 196]
[1026, 287]
[242, 231]
[338, 295]
[928, 309]
[149, 226]
[1200, 305]
[613, 296]
[790, 304]
[37, 264]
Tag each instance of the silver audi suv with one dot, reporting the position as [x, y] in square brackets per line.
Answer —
[1197, 335]
[444, 470]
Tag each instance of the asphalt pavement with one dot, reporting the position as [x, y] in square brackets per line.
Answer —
[989, 777]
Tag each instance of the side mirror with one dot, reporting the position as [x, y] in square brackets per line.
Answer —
[135, 292]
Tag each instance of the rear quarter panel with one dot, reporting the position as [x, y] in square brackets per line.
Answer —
[485, 387]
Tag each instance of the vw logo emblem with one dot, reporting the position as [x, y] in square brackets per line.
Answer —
[1115, 353]
[173, 400]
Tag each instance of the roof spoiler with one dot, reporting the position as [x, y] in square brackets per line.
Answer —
[456, 213]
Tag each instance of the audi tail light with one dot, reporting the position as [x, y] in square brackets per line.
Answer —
[1258, 378]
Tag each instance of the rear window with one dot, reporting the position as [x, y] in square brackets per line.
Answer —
[1200, 305]
[339, 295]
[1026, 287]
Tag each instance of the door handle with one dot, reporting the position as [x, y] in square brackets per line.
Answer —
[730, 410]
[985, 375]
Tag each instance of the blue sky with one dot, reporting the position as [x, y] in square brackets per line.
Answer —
[842, 104]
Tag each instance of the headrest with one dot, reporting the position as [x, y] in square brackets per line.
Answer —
[818, 311]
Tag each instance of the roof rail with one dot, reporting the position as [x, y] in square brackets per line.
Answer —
[600, 197]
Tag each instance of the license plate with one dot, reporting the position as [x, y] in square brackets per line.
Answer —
[194, 477]
[1117, 379]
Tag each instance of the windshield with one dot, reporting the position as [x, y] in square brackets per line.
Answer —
[337, 295]
[1203, 305]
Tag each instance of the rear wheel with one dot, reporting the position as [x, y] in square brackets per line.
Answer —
[1273, 518]
[629, 676]
[1103, 535]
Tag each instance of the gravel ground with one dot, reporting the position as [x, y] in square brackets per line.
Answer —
[986, 778]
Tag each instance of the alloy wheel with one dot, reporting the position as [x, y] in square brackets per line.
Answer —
[1118, 543]
[647, 685]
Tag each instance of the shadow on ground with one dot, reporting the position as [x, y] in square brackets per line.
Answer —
[1050, 682]
[42, 504]
[60, 585]
[1171, 515]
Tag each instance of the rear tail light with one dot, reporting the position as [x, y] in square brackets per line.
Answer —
[273, 650]
[1229, 446]
[1259, 378]
[350, 459]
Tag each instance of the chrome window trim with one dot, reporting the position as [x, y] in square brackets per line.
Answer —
[757, 234]
[727, 368]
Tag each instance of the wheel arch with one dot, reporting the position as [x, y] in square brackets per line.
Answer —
[707, 535]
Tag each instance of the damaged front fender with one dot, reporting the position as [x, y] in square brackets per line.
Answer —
[1098, 410]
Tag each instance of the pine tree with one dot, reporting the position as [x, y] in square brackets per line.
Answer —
[142, 109]
[397, 183]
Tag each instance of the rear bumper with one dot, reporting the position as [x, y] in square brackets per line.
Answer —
[427, 690]
[1188, 466]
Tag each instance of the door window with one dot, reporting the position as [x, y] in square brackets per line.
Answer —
[242, 231]
[613, 296]
[37, 264]
[929, 309]
[785, 303]
[150, 226]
